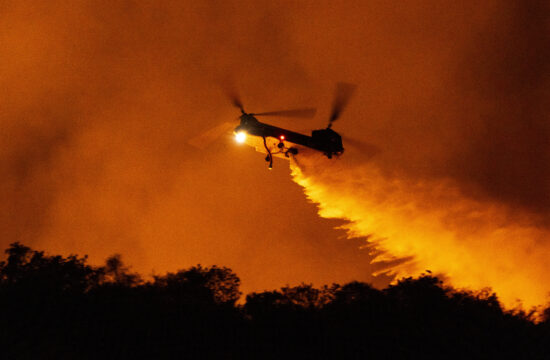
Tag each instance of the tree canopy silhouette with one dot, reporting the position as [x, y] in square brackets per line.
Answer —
[62, 307]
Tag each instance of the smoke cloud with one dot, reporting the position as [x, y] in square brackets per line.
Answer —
[99, 99]
[462, 184]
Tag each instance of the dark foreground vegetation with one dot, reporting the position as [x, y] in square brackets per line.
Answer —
[55, 307]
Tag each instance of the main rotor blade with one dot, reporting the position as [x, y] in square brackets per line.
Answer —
[235, 99]
[209, 136]
[344, 91]
[296, 113]
[232, 93]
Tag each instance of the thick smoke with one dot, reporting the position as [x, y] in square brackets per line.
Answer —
[462, 185]
[505, 86]
[99, 98]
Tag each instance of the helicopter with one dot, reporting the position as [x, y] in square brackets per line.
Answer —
[281, 142]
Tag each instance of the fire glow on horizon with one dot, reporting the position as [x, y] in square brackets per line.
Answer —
[471, 244]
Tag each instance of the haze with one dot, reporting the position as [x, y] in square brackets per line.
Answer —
[99, 100]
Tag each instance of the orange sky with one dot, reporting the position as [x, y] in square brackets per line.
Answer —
[100, 98]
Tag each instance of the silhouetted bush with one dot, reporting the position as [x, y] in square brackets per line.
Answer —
[63, 308]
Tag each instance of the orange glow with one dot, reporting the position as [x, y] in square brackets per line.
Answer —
[100, 100]
[470, 243]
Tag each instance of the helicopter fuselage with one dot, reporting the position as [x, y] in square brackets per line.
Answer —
[327, 141]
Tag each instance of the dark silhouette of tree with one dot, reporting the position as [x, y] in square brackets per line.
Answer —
[302, 297]
[63, 308]
[201, 285]
[116, 273]
[29, 270]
